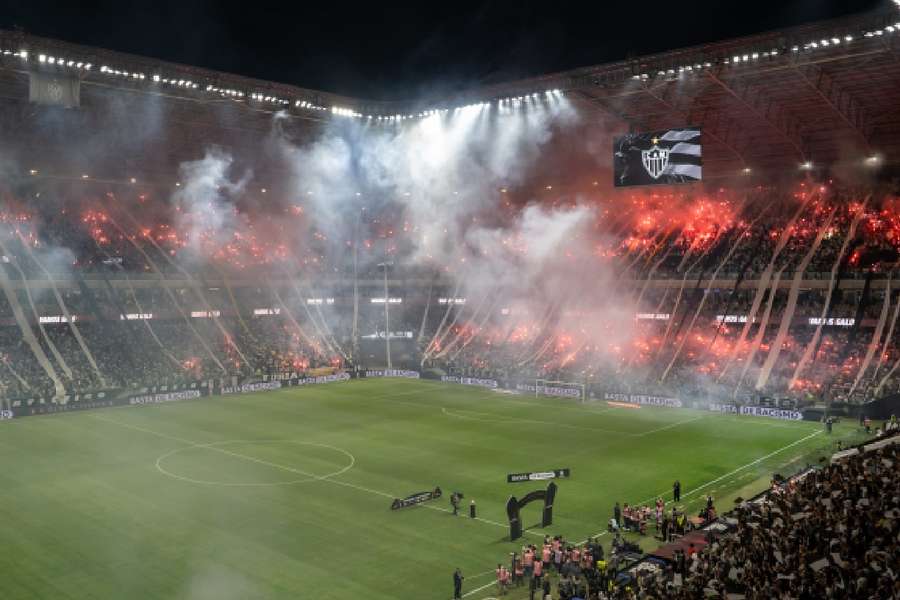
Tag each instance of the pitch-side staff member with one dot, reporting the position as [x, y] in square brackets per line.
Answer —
[457, 584]
[454, 502]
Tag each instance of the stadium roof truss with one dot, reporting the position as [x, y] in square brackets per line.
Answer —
[821, 93]
[771, 99]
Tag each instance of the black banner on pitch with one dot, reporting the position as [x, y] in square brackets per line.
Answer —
[417, 498]
[658, 157]
[537, 475]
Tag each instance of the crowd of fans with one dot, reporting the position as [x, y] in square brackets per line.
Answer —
[703, 367]
[577, 567]
[665, 247]
[135, 352]
[829, 533]
[697, 266]
[175, 345]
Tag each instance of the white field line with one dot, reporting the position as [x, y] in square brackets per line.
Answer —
[561, 403]
[545, 404]
[149, 431]
[386, 495]
[495, 523]
[762, 421]
[478, 589]
[584, 541]
[444, 410]
[494, 418]
[215, 445]
[725, 476]
[671, 425]
[768, 422]
[739, 469]
[291, 469]
[499, 419]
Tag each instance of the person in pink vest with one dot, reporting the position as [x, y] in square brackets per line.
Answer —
[538, 573]
[520, 571]
[528, 561]
[504, 580]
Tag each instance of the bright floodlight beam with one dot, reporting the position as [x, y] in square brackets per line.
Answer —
[873, 161]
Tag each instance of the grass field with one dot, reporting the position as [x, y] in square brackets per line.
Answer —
[286, 494]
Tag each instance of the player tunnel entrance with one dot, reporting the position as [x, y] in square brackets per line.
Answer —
[514, 509]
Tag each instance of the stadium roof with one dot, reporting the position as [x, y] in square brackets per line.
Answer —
[818, 94]
[821, 93]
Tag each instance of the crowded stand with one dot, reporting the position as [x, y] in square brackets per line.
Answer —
[828, 532]
[697, 275]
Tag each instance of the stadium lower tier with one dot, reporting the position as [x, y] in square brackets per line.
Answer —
[126, 340]
[780, 292]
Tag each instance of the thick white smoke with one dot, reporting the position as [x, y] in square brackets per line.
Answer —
[216, 582]
[444, 176]
[205, 201]
[443, 169]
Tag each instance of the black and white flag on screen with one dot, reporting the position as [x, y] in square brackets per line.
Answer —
[658, 157]
[54, 89]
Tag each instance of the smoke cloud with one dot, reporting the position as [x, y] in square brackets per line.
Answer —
[206, 201]
[444, 178]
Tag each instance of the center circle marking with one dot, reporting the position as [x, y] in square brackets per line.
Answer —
[215, 447]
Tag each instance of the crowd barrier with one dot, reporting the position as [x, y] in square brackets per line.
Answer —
[159, 394]
[390, 373]
[623, 398]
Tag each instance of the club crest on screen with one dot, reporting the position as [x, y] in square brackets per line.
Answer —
[655, 160]
[663, 157]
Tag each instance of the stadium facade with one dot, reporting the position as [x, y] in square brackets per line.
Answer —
[811, 101]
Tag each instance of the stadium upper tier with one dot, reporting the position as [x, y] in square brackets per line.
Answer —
[654, 236]
[822, 93]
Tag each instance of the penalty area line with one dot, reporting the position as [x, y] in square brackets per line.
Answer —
[500, 420]
[720, 478]
[671, 425]
[739, 469]
[488, 521]
[478, 589]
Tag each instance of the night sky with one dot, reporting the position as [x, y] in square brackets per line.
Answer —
[400, 50]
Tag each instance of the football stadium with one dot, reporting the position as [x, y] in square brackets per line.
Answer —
[623, 331]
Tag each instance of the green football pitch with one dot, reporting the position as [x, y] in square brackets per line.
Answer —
[287, 494]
